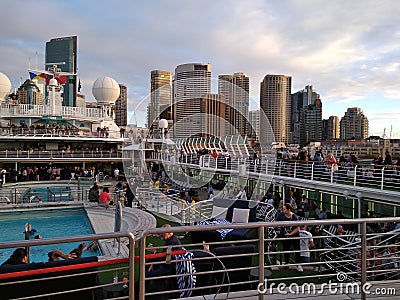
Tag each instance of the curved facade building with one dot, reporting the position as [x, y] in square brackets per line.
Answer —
[354, 125]
[192, 82]
[29, 93]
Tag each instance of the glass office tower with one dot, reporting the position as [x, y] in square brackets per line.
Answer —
[63, 52]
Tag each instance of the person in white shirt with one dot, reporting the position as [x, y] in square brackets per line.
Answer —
[116, 174]
[306, 243]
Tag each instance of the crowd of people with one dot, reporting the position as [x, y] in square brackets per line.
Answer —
[122, 191]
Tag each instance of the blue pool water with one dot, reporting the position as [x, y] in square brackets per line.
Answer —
[50, 223]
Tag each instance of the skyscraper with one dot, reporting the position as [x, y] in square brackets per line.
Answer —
[306, 116]
[213, 110]
[63, 52]
[121, 109]
[331, 128]
[160, 97]
[192, 82]
[235, 88]
[354, 125]
[254, 119]
[275, 102]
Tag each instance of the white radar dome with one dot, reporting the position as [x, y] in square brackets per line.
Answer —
[105, 90]
[5, 86]
[53, 81]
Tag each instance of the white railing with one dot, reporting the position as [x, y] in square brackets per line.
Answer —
[362, 175]
[51, 154]
[9, 110]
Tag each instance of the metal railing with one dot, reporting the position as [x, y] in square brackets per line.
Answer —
[54, 154]
[104, 269]
[356, 265]
[362, 175]
[351, 266]
[41, 110]
[30, 195]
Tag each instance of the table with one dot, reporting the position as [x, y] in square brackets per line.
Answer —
[254, 272]
[119, 288]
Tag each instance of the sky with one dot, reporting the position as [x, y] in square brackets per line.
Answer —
[349, 51]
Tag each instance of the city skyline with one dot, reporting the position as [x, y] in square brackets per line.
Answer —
[347, 51]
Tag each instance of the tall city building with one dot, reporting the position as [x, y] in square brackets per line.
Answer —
[235, 88]
[254, 120]
[213, 109]
[331, 128]
[275, 102]
[63, 52]
[160, 97]
[191, 83]
[306, 116]
[354, 125]
[121, 108]
[311, 123]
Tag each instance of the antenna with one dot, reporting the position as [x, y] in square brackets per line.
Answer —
[384, 133]
[54, 70]
[391, 129]
[54, 67]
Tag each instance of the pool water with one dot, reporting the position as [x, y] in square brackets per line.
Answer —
[49, 223]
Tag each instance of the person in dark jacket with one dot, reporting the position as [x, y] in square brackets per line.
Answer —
[18, 257]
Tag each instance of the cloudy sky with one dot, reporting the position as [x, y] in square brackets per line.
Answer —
[349, 51]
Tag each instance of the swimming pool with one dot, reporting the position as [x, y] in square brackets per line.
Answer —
[50, 223]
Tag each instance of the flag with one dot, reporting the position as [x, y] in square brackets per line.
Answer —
[60, 78]
[46, 77]
[35, 76]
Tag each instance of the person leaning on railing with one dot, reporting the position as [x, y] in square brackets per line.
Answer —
[289, 232]
[163, 269]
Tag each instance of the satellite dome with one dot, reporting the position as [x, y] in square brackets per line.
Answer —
[53, 81]
[105, 90]
[5, 86]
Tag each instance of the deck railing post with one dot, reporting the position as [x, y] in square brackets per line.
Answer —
[142, 268]
[131, 279]
[363, 258]
[261, 263]
[355, 176]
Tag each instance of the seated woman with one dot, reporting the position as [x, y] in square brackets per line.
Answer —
[105, 198]
[19, 256]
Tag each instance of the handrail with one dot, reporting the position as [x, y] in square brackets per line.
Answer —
[363, 272]
[93, 237]
[374, 176]
[262, 240]
[55, 154]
